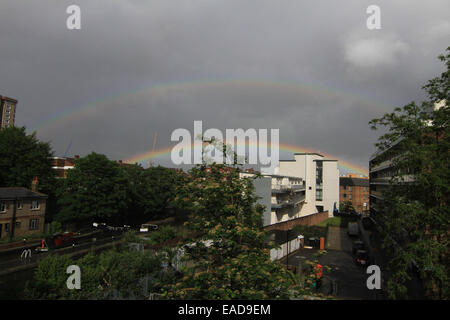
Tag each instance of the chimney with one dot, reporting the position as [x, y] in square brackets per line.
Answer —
[77, 156]
[120, 161]
[34, 184]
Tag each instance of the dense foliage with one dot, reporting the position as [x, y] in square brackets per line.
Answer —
[230, 257]
[112, 274]
[95, 189]
[22, 157]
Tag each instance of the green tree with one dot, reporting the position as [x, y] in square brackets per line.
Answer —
[22, 157]
[150, 192]
[95, 189]
[112, 274]
[346, 206]
[414, 215]
[236, 263]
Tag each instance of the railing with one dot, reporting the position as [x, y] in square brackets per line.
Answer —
[288, 187]
[285, 203]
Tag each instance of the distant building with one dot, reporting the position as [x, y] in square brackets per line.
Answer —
[7, 112]
[321, 176]
[355, 189]
[22, 212]
[62, 164]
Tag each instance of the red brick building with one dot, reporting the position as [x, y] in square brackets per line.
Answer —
[355, 189]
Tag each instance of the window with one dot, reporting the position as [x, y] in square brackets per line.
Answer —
[7, 227]
[349, 188]
[2, 207]
[319, 195]
[345, 187]
[349, 196]
[34, 224]
[345, 195]
[34, 204]
[19, 205]
[18, 225]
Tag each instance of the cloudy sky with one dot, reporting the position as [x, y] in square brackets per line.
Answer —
[310, 68]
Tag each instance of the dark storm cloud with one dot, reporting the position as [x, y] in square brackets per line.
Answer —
[309, 68]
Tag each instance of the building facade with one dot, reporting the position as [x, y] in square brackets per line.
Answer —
[62, 164]
[7, 112]
[382, 168]
[355, 189]
[282, 196]
[321, 178]
[22, 212]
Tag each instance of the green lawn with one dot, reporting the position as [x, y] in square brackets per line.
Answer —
[335, 222]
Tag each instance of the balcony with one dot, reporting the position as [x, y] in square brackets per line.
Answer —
[377, 195]
[285, 203]
[298, 187]
[382, 180]
[282, 188]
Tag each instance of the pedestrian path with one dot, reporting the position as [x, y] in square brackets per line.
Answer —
[338, 239]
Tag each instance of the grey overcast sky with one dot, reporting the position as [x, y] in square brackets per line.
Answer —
[310, 68]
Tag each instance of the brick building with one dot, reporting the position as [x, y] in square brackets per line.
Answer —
[355, 189]
[62, 164]
[22, 212]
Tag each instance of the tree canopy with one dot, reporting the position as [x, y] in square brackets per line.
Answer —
[230, 257]
[95, 189]
[22, 157]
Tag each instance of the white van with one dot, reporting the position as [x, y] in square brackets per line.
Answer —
[148, 227]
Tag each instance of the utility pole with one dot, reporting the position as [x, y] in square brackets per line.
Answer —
[13, 220]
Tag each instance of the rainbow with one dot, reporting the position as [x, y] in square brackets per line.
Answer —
[146, 156]
[73, 114]
[68, 117]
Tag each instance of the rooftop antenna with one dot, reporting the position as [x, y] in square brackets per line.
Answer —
[153, 148]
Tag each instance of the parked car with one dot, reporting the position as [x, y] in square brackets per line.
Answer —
[362, 258]
[358, 245]
[352, 229]
[148, 227]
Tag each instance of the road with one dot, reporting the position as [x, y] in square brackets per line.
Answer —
[349, 279]
[14, 261]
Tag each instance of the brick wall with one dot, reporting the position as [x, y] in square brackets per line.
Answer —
[308, 220]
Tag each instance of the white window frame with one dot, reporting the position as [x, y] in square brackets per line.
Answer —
[33, 207]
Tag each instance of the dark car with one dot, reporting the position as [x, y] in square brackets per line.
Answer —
[358, 245]
[362, 258]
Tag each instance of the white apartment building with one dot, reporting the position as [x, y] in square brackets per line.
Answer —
[321, 177]
[282, 196]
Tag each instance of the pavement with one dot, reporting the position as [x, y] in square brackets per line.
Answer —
[346, 280]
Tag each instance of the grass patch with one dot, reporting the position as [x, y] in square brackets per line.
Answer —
[340, 222]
